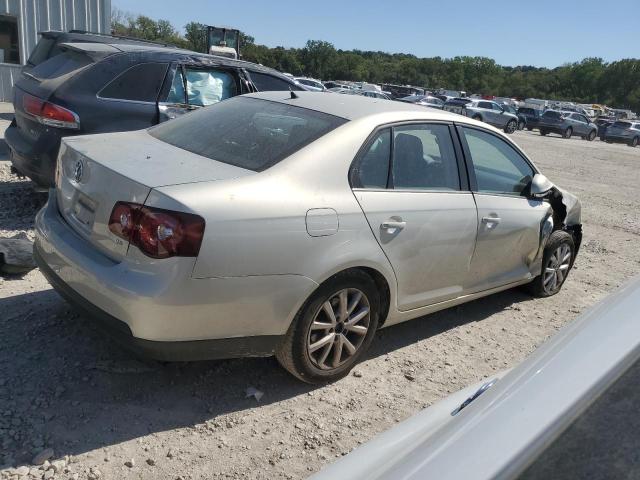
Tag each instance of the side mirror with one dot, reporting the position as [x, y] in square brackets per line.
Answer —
[540, 186]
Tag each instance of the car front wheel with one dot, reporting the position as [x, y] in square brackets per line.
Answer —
[634, 142]
[568, 132]
[592, 135]
[511, 126]
[557, 261]
[333, 329]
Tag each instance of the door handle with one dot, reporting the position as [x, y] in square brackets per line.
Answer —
[491, 222]
[392, 225]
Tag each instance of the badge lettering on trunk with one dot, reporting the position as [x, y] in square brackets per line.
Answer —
[78, 171]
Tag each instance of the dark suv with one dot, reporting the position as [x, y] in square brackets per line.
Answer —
[531, 117]
[97, 88]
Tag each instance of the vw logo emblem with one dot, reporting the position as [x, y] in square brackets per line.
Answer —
[78, 171]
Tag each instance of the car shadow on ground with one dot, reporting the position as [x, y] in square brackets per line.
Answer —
[67, 386]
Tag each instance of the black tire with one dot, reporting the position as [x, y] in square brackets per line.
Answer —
[477, 117]
[294, 355]
[568, 133]
[521, 125]
[511, 126]
[602, 138]
[634, 142]
[543, 132]
[530, 128]
[592, 136]
[557, 240]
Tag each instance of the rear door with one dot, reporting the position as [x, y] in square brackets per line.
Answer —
[414, 194]
[508, 222]
[188, 87]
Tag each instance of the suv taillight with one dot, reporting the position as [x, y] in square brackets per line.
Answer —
[49, 113]
[156, 232]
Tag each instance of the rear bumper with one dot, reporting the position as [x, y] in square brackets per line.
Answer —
[36, 160]
[157, 308]
[617, 139]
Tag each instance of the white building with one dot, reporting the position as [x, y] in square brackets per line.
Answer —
[21, 20]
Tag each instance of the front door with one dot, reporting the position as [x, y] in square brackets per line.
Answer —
[509, 223]
[424, 218]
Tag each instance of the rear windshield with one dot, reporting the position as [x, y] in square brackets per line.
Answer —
[60, 65]
[42, 51]
[622, 125]
[247, 132]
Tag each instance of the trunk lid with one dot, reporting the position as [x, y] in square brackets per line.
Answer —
[96, 171]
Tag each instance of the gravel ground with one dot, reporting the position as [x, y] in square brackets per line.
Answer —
[105, 414]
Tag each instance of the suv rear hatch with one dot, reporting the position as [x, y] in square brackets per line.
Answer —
[96, 171]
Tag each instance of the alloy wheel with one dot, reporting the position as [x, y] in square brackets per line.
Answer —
[557, 268]
[511, 126]
[338, 329]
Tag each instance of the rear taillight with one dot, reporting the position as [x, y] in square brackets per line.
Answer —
[156, 232]
[49, 113]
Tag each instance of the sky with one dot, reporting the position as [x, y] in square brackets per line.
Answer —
[543, 33]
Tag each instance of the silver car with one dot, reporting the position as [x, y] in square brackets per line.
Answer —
[485, 111]
[296, 224]
[567, 124]
[623, 131]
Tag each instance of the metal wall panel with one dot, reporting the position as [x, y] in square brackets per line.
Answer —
[37, 15]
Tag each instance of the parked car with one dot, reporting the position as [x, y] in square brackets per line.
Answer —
[311, 84]
[562, 413]
[514, 111]
[49, 43]
[331, 85]
[96, 88]
[424, 100]
[484, 111]
[623, 131]
[603, 123]
[373, 94]
[567, 124]
[285, 224]
[400, 91]
[531, 117]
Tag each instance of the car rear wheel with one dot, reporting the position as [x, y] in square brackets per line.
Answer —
[511, 126]
[568, 132]
[557, 261]
[592, 136]
[543, 132]
[333, 329]
[477, 117]
[530, 128]
[634, 142]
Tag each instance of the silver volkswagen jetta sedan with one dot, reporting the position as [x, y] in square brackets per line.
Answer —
[296, 224]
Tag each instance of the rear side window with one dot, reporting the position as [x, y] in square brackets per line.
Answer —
[204, 86]
[622, 125]
[372, 169]
[60, 65]
[550, 114]
[268, 83]
[246, 132]
[140, 83]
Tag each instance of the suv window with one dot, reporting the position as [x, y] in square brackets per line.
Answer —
[485, 105]
[246, 132]
[267, 83]
[60, 65]
[424, 158]
[498, 167]
[372, 169]
[204, 86]
[551, 114]
[41, 51]
[140, 83]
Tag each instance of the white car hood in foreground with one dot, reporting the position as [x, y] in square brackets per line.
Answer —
[505, 429]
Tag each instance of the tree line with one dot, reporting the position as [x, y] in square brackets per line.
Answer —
[591, 80]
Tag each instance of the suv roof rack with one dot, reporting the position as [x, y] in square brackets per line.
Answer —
[124, 37]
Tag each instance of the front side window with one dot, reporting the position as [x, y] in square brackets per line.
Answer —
[498, 167]
[139, 83]
[250, 133]
[372, 169]
[424, 158]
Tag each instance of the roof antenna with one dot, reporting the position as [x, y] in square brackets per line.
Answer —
[293, 94]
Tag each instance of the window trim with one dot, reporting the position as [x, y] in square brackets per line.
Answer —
[139, 102]
[463, 176]
[469, 161]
